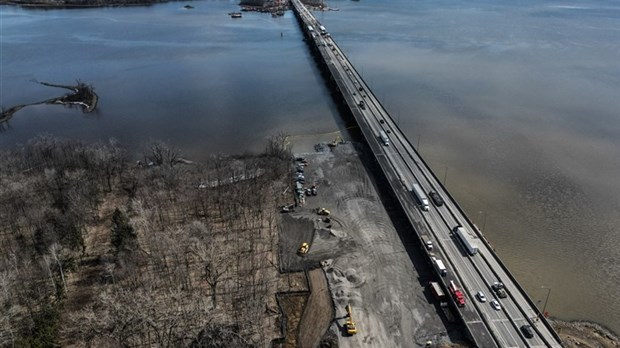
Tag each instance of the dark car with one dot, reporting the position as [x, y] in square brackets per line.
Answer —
[436, 198]
[527, 331]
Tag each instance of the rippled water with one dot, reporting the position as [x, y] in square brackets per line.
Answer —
[517, 102]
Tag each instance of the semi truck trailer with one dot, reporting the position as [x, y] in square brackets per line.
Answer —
[420, 196]
[467, 240]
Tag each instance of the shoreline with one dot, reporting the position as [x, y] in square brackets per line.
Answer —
[576, 333]
[69, 6]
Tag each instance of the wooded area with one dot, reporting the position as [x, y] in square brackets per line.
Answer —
[101, 252]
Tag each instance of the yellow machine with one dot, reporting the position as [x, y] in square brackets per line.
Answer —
[336, 141]
[350, 324]
[303, 249]
[323, 211]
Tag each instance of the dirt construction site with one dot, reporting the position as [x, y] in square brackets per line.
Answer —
[362, 253]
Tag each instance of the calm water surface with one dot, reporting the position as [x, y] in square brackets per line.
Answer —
[517, 102]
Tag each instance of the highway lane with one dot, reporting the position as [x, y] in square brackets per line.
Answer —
[474, 273]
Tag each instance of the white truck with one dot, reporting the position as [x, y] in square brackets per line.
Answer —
[466, 239]
[420, 196]
[428, 243]
[441, 268]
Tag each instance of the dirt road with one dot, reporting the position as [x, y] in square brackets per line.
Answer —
[368, 253]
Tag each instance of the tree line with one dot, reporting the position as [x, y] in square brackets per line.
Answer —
[101, 251]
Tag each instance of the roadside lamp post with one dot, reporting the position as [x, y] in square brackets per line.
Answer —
[484, 219]
[546, 299]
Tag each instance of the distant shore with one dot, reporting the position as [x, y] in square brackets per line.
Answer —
[72, 4]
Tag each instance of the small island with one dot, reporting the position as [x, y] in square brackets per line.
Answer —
[82, 95]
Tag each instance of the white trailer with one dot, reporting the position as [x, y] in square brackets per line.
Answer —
[420, 196]
[468, 241]
[441, 268]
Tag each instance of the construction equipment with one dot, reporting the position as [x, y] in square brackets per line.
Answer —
[322, 211]
[350, 324]
[336, 141]
[303, 249]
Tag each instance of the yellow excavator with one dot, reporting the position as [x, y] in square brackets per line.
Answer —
[350, 324]
[336, 141]
[303, 249]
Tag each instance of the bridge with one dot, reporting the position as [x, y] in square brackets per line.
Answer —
[471, 263]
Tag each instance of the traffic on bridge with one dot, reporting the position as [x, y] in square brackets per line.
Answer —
[493, 307]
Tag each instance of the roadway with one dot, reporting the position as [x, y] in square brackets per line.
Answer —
[402, 166]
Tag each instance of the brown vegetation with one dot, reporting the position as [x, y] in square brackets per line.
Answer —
[98, 252]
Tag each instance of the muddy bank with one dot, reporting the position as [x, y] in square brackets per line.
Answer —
[585, 334]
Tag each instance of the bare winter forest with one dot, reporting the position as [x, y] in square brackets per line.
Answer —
[98, 251]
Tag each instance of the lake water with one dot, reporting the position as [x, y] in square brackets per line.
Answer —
[517, 102]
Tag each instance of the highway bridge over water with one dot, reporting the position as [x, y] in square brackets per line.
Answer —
[403, 167]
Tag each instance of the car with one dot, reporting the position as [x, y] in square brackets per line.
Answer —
[436, 198]
[498, 287]
[495, 304]
[382, 121]
[501, 293]
[527, 331]
[362, 105]
[481, 297]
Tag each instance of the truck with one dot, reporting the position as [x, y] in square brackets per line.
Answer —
[420, 196]
[428, 243]
[384, 138]
[457, 294]
[322, 30]
[310, 28]
[441, 268]
[439, 294]
[466, 239]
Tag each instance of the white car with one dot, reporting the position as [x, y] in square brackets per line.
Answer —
[481, 297]
[495, 305]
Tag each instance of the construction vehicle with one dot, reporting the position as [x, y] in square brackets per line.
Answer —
[322, 211]
[303, 249]
[350, 324]
[335, 142]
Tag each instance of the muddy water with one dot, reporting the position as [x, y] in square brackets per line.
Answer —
[516, 104]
